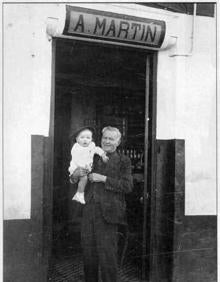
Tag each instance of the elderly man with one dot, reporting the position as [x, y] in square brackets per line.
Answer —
[105, 208]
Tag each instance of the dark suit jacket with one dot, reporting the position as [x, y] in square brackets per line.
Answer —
[111, 194]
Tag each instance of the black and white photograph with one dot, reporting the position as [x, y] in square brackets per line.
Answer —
[109, 122]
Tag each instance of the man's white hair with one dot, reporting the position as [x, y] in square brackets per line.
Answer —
[111, 128]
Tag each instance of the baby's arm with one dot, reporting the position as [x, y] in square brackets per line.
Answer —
[72, 167]
[75, 156]
[101, 153]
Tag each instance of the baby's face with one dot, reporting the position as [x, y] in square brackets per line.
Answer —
[84, 138]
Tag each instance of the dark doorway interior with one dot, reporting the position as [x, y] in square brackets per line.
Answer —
[99, 85]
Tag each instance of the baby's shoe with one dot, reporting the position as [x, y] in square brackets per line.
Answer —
[79, 197]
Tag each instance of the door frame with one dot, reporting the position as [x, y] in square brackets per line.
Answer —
[151, 104]
[148, 200]
[151, 198]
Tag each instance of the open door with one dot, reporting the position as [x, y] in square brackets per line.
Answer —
[101, 85]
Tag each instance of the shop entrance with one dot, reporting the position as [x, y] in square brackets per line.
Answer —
[100, 85]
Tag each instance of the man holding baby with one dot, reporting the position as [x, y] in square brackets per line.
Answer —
[105, 207]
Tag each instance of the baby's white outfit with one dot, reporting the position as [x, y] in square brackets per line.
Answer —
[83, 157]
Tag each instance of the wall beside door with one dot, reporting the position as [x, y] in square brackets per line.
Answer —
[186, 108]
[27, 241]
[27, 94]
[183, 247]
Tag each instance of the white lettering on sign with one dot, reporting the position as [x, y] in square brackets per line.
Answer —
[87, 22]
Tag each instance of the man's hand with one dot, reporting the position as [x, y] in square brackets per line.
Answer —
[96, 177]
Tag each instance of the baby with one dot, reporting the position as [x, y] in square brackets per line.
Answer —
[82, 154]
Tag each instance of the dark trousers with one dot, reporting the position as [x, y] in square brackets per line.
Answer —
[99, 244]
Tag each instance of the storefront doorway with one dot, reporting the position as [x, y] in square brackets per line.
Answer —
[100, 85]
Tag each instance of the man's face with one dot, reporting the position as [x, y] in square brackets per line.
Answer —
[110, 141]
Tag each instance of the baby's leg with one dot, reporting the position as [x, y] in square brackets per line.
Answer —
[82, 184]
[79, 196]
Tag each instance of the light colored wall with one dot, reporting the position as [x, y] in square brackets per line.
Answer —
[27, 90]
[185, 109]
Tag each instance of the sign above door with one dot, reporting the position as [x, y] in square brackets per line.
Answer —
[108, 26]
